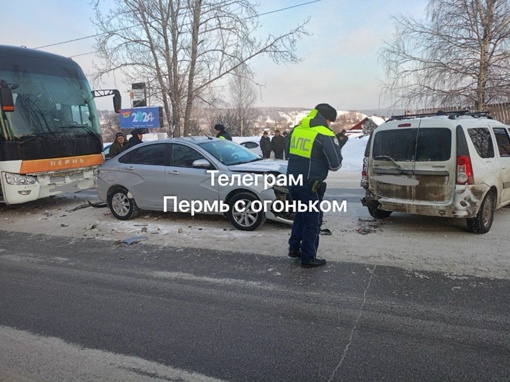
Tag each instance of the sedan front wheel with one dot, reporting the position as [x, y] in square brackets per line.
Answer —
[241, 214]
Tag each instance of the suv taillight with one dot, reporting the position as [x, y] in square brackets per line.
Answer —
[464, 170]
[364, 174]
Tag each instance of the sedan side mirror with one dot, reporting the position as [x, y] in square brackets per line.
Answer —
[201, 163]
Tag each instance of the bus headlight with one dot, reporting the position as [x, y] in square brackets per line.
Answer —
[19, 180]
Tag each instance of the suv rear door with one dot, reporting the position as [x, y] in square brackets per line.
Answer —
[414, 161]
[503, 145]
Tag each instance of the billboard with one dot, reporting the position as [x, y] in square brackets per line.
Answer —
[138, 94]
[142, 117]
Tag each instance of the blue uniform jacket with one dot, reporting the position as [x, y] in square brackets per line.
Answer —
[326, 155]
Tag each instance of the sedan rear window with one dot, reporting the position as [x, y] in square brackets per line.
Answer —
[420, 145]
[147, 155]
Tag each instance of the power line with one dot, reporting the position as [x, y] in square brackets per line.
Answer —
[292, 6]
[118, 30]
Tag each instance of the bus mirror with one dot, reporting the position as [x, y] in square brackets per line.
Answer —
[6, 99]
[117, 101]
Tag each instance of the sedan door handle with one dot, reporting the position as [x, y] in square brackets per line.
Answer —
[130, 168]
[174, 172]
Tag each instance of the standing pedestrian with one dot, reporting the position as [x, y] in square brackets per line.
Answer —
[118, 146]
[265, 145]
[313, 151]
[278, 145]
[221, 133]
[136, 137]
[286, 150]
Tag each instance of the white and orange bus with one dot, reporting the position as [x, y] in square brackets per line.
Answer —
[50, 138]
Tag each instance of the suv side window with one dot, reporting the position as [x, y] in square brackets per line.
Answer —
[482, 141]
[502, 140]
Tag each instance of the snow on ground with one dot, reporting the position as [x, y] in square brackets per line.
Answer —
[416, 243]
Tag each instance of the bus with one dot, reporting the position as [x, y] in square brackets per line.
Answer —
[50, 137]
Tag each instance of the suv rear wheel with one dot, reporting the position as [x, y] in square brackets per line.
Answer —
[482, 222]
[377, 213]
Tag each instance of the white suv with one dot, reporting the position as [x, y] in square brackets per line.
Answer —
[454, 164]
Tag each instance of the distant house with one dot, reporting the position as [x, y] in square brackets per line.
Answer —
[366, 125]
[358, 126]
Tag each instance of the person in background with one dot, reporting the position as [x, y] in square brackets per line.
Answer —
[118, 146]
[313, 151]
[278, 145]
[265, 145]
[342, 138]
[136, 137]
[221, 133]
[286, 150]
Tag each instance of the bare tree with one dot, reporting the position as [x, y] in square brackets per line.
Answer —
[184, 46]
[109, 125]
[458, 56]
[228, 118]
[243, 93]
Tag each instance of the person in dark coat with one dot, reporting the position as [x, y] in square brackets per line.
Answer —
[312, 162]
[221, 133]
[342, 138]
[286, 151]
[136, 137]
[118, 146]
[278, 145]
[265, 145]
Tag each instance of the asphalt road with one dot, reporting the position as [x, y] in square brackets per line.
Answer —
[81, 309]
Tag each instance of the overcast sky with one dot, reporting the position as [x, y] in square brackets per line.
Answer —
[339, 60]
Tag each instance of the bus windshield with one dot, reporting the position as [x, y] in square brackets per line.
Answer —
[58, 103]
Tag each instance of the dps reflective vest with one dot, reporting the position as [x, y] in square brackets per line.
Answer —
[303, 136]
[313, 149]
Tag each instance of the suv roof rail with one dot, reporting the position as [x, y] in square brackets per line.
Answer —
[450, 114]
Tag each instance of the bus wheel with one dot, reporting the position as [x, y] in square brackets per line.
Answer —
[121, 205]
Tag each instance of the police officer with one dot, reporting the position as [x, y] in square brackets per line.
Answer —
[313, 151]
[221, 133]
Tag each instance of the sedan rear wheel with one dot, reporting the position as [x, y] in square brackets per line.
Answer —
[121, 205]
[241, 214]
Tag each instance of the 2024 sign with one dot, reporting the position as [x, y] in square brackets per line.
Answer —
[144, 117]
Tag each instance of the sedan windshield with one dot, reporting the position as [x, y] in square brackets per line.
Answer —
[229, 153]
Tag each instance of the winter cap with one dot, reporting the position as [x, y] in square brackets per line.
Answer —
[219, 127]
[119, 135]
[327, 111]
[137, 131]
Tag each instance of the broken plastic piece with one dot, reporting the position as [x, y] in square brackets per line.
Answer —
[135, 239]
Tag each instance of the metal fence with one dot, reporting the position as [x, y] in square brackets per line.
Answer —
[499, 111]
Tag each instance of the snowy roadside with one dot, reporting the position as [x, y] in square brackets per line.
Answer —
[415, 243]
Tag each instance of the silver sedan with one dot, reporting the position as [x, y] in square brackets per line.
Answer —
[197, 175]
